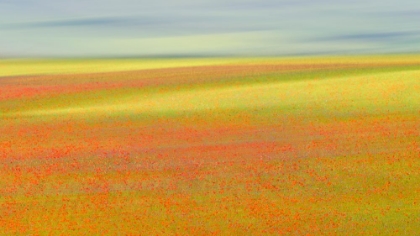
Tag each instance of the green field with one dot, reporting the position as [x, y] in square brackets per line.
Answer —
[202, 146]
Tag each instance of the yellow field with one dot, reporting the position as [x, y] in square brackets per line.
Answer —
[232, 146]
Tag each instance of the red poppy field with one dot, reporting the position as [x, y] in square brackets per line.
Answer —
[299, 146]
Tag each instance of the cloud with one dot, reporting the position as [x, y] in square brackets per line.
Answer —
[81, 22]
[275, 26]
[372, 37]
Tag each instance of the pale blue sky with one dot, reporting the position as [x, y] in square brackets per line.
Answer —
[217, 27]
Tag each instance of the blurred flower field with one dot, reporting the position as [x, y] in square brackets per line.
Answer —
[246, 146]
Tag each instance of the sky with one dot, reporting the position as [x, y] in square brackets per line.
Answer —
[138, 28]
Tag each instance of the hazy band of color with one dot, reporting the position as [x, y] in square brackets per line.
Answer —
[207, 28]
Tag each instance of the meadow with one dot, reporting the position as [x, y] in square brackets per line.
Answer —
[210, 146]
